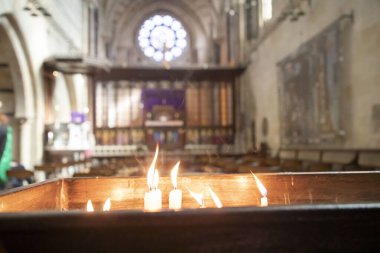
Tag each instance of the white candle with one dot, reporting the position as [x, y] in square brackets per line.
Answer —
[175, 199]
[153, 200]
[264, 201]
[263, 191]
[175, 196]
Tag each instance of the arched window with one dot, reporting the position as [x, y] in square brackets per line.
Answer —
[162, 37]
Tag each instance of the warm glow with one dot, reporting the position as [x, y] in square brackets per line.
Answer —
[198, 197]
[119, 194]
[155, 179]
[260, 185]
[152, 176]
[215, 198]
[90, 207]
[174, 174]
[107, 205]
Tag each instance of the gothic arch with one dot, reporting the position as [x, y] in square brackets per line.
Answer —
[124, 40]
[24, 85]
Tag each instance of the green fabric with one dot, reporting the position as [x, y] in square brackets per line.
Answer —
[5, 162]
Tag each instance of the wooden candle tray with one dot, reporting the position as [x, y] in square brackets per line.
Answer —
[319, 212]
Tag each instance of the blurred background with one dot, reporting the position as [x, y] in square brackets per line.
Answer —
[89, 87]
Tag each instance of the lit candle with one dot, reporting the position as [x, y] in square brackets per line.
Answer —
[175, 196]
[199, 198]
[215, 198]
[90, 207]
[263, 191]
[264, 201]
[107, 205]
[153, 198]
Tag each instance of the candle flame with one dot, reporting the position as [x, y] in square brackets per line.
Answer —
[90, 207]
[155, 179]
[151, 177]
[215, 198]
[260, 185]
[107, 205]
[174, 174]
[198, 197]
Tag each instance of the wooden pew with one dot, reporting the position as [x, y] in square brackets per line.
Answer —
[20, 174]
[289, 161]
[311, 160]
[341, 160]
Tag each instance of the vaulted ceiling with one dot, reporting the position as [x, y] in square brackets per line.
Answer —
[118, 14]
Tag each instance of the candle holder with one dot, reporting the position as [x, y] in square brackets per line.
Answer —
[321, 212]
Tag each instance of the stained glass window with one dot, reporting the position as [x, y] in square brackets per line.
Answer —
[162, 37]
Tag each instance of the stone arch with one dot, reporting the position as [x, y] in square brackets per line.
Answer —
[125, 35]
[28, 144]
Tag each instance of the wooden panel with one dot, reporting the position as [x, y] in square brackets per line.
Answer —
[290, 229]
[20, 174]
[175, 74]
[233, 190]
[43, 196]
[63, 197]
[129, 193]
[282, 227]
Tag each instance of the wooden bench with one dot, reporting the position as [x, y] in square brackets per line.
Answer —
[340, 159]
[20, 174]
[311, 160]
[289, 160]
[314, 160]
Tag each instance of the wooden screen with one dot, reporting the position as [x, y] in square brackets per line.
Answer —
[190, 112]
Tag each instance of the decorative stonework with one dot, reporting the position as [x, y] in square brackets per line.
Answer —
[162, 37]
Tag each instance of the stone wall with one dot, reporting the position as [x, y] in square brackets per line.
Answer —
[32, 40]
[260, 83]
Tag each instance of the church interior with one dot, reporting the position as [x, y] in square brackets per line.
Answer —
[249, 103]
